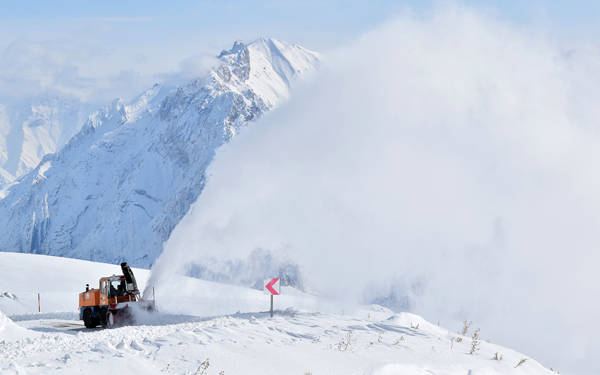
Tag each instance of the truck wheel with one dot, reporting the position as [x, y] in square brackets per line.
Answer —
[110, 320]
[87, 319]
[102, 317]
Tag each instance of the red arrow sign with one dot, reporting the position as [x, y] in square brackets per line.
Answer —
[272, 286]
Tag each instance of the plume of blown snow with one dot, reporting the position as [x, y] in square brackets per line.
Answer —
[453, 152]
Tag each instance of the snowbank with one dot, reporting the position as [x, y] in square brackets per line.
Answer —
[10, 331]
[254, 344]
[397, 369]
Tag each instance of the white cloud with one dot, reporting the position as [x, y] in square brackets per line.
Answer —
[29, 68]
[455, 151]
[88, 71]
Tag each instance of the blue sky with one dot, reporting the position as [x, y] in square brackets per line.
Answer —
[305, 21]
[319, 24]
[130, 41]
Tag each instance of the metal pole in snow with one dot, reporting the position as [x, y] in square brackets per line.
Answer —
[153, 298]
[39, 305]
[271, 305]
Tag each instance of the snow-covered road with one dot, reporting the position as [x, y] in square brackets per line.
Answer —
[373, 341]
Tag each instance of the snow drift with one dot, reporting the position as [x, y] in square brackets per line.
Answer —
[9, 331]
[451, 155]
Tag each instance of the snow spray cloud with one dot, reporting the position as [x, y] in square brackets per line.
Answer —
[454, 152]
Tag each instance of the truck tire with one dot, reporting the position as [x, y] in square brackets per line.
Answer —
[102, 317]
[88, 320]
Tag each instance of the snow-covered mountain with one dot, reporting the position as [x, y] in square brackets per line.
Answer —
[33, 127]
[123, 182]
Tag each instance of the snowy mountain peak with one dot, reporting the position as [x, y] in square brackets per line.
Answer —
[266, 65]
[121, 184]
[238, 46]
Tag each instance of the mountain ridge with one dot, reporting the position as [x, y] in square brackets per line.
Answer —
[33, 127]
[117, 189]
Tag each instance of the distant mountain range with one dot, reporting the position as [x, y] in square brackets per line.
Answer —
[121, 184]
[33, 127]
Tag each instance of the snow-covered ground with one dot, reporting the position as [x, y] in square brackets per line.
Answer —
[210, 328]
[59, 280]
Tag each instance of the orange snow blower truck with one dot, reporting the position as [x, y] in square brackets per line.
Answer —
[112, 303]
